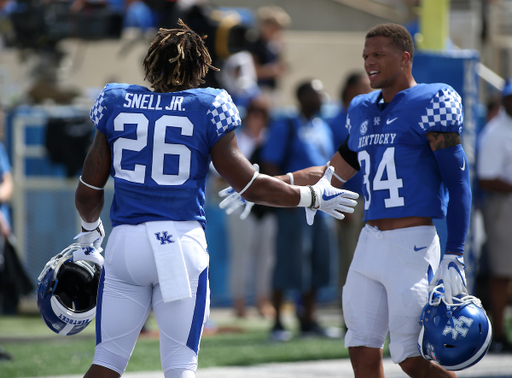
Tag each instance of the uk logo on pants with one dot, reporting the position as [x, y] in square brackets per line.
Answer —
[164, 238]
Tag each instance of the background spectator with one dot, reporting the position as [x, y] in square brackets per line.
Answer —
[303, 253]
[267, 48]
[14, 282]
[252, 240]
[494, 169]
[348, 230]
[238, 77]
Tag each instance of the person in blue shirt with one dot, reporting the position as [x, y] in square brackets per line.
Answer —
[157, 146]
[304, 255]
[405, 138]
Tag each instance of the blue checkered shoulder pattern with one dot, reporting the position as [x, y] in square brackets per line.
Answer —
[223, 113]
[99, 109]
[445, 109]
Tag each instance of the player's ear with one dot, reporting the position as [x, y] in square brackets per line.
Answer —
[406, 58]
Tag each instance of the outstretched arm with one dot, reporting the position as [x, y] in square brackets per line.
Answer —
[311, 175]
[266, 190]
[234, 167]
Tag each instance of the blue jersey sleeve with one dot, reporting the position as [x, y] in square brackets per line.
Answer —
[444, 112]
[453, 167]
[99, 111]
[224, 116]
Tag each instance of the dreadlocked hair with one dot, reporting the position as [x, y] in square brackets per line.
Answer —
[177, 59]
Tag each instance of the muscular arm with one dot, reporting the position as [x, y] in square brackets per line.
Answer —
[311, 175]
[89, 202]
[234, 167]
[438, 141]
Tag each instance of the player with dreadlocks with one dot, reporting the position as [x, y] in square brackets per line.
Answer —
[179, 56]
[157, 145]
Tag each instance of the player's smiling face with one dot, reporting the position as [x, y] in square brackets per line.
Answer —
[382, 62]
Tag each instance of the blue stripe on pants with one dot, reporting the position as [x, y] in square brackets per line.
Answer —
[99, 302]
[198, 318]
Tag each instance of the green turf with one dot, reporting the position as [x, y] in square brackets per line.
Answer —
[39, 352]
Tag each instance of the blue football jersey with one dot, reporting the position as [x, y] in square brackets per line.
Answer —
[400, 173]
[160, 145]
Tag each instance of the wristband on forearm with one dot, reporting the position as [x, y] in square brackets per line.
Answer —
[336, 175]
[307, 196]
[90, 226]
[290, 175]
[89, 185]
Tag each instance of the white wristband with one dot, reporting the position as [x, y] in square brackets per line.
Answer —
[90, 226]
[89, 185]
[290, 175]
[256, 174]
[334, 173]
[305, 197]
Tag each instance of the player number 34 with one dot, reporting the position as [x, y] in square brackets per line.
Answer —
[391, 182]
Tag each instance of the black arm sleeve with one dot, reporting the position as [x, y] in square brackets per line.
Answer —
[349, 155]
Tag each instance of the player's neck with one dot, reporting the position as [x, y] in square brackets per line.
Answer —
[388, 93]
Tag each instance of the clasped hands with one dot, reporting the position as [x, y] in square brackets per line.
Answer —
[326, 198]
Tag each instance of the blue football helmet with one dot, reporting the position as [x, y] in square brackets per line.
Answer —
[457, 335]
[67, 289]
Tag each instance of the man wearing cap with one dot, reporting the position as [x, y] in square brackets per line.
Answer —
[494, 170]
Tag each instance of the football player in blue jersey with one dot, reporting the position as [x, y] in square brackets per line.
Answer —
[405, 138]
[157, 146]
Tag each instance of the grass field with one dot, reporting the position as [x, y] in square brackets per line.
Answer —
[229, 341]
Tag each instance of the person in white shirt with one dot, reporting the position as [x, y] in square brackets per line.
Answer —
[494, 170]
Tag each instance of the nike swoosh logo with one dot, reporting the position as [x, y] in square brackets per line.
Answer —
[327, 198]
[388, 121]
[463, 165]
[418, 249]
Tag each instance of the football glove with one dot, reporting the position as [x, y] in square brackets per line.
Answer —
[450, 273]
[92, 238]
[89, 254]
[329, 199]
[234, 200]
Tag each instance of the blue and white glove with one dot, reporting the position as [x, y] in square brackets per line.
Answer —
[92, 235]
[451, 273]
[90, 254]
[234, 200]
[329, 199]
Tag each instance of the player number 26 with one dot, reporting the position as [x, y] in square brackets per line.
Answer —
[160, 148]
[391, 183]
